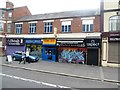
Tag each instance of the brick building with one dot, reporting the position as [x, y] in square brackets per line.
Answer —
[71, 36]
[8, 15]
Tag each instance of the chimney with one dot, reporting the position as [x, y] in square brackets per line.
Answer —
[9, 4]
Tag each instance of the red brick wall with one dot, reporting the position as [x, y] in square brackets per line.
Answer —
[25, 28]
[40, 27]
[96, 24]
[57, 23]
[19, 12]
[76, 25]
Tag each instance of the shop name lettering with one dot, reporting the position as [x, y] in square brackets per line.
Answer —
[93, 44]
[14, 41]
[33, 41]
[114, 39]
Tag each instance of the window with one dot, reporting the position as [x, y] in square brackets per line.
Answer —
[1, 26]
[8, 27]
[32, 27]
[114, 23]
[48, 27]
[9, 15]
[18, 28]
[0, 41]
[87, 25]
[66, 26]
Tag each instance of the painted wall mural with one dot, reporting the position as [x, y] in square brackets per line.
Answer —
[72, 55]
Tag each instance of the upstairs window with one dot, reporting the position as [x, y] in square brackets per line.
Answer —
[18, 28]
[0, 41]
[66, 26]
[87, 25]
[1, 26]
[48, 27]
[114, 23]
[9, 15]
[9, 27]
[32, 27]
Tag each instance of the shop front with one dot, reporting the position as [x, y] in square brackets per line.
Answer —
[35, 46]
[14, 44]
[93, 46]
[49, 49]
[71, 51]
[79, 51]
[111, 49]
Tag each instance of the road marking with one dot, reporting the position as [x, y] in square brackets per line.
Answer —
[101, 74]
[30, 80]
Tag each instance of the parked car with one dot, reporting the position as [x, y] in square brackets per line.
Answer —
[18, 56]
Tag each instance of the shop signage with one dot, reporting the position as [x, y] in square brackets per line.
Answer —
[14, 41]
[112, 36]
[71, 44]
[92, 42]
[114, 39]
[33, 41]
[49, 41]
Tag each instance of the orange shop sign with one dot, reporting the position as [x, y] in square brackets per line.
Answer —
[49, 41]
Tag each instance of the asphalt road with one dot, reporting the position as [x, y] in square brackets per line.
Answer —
[19, 78]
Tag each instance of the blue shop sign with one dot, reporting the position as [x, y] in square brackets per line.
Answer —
[33, 41]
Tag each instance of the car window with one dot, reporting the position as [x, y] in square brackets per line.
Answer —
[19, 53]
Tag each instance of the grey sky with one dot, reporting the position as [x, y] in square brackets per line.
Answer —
[47, 6]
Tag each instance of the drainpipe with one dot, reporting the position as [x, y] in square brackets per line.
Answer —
[101, 26]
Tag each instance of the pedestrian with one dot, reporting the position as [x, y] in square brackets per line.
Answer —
[22, 58]
[27, 56]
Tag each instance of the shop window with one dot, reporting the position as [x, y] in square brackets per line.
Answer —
[48, 27]
[66, 26]
[87, 25]
[32, 27]
[114, 23]
[18, 28]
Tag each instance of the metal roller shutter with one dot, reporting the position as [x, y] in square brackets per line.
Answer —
[114, 52]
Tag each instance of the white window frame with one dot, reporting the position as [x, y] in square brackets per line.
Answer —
[48, 26]
[66, 26]
[32, 27]
[114, 23]
[8, 27]
[18, 29]
[87, 23]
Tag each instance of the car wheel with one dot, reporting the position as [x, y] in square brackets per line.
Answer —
[14, 58]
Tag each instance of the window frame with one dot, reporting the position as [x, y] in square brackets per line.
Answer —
[8, 27]
[18, 29]
[32, 28]
[87, 25]
[48, 26]
[66, 26]
[114, 23]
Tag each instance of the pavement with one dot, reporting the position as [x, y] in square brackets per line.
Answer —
[107, 74]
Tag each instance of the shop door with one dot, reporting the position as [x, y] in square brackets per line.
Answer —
[92, 57]
[49, 54]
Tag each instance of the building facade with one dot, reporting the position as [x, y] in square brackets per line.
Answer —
[72, 37]
[8, 15]
[111, 34]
